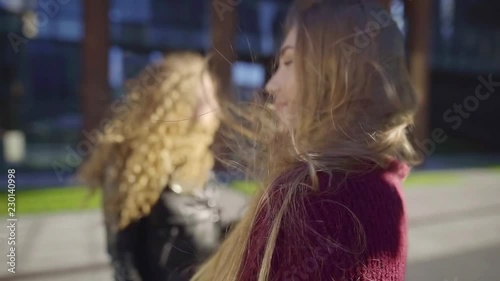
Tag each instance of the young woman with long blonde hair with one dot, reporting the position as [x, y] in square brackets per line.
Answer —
[330, 206]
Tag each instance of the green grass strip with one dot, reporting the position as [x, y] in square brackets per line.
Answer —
[49, 200]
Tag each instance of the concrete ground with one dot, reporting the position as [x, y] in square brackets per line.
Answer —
[455, 230]
[454, 236]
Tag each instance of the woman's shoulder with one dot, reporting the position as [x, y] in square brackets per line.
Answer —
[377, 183]
[373, 195]
[372, 201]
[350, 222]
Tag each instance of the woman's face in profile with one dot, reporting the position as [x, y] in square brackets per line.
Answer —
[282, 85]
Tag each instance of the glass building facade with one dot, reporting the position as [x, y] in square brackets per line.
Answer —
[466, 39]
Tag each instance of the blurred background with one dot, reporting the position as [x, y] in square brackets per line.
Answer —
[62, 63]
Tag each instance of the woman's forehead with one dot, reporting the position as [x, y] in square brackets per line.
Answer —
[291, 37]
[289, 42]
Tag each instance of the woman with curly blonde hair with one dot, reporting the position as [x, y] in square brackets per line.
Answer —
[331, 204]
[162, 205]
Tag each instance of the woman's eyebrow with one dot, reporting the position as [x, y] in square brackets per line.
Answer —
[284, 48]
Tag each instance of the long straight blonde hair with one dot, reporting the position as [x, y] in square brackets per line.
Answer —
[356, 113]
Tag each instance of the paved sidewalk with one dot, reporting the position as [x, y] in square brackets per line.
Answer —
[455, 230]
[67, 246]
[454, 235]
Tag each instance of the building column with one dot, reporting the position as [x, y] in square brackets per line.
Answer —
[94, 90]
[223, 30]
[386, 4]
[419, 32]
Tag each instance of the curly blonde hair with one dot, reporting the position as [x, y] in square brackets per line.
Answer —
[155, 142]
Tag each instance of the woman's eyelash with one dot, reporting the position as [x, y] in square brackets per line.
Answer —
[288, 62]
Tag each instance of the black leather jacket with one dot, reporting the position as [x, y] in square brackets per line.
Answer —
[180, 232]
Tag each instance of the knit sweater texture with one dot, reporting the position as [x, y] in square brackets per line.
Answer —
[353, 228]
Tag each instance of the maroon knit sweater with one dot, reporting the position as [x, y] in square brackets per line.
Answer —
[354, 228]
